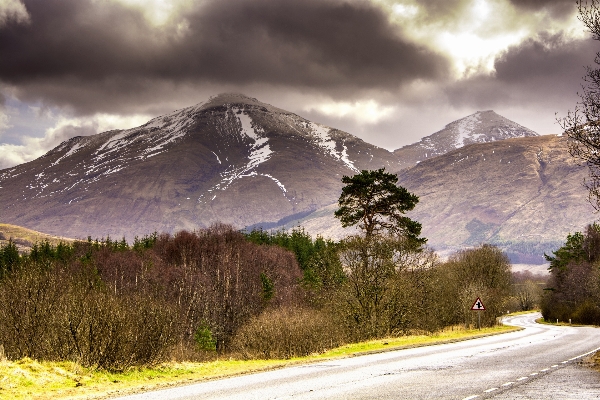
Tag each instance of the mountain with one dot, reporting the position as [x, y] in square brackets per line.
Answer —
[524, 195]
[481, 127]
[236, 160]
[231, 159]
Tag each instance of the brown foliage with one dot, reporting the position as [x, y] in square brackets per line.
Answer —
[112, 307]
[63, 314]
[482, 272]
[215, 276]
[288, 332]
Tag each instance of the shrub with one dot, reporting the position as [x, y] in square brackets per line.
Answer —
[587, 313]
[67, 313]
[203, 338]
[287, 332]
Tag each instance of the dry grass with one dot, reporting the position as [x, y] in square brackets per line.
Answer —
[594, 361]
[29, 379]
[560, 323]
[448, 335]
[24, 235]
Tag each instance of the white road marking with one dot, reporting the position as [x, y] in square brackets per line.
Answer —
[586, 354]
[535, 373]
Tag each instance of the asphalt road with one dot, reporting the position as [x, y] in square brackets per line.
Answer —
[541, 361]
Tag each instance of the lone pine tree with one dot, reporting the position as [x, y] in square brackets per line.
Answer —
[373, 201]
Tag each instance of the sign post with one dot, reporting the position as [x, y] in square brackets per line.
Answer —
[478, 306]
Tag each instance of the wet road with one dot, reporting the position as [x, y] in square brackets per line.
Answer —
[540, 361]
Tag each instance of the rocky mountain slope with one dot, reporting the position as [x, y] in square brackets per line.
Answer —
[523, 194]
[481, 127]
[232, 159]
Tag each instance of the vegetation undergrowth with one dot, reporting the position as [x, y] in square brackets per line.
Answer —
[560, 323]
[31, 379]
[169, 308]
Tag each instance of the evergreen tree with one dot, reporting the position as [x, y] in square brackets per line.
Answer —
[373, 201]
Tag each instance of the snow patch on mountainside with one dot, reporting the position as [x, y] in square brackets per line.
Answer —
[325, 141]
[140, 143]
[117, 150]
[466, 128]
[276, 181]
[72, 151]
[260, 151]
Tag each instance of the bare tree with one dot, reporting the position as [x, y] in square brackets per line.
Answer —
[582, 125]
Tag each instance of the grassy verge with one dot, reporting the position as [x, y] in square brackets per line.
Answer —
[30, 379]
[560, 323]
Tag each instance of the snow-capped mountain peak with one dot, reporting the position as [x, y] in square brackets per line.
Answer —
[231, 159]
[480, 127]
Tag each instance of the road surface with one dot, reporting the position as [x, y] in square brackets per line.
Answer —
[540, 361]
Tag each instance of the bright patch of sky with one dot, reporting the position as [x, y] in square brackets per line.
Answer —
[19, 120]
[472, 54]
[159, 12]
[13, 10]
[364, 111]
[405, 10]
[29, 131]
[474, 37]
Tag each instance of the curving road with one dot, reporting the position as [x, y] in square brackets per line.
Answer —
[540, 361]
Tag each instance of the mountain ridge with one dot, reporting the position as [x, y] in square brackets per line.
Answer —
[231, 159]
[235, 160]
[522, 194]
[480, 127]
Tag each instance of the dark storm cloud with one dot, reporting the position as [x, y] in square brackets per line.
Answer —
[99, 56]
[546, 70]
[549, 56]
[557, 8]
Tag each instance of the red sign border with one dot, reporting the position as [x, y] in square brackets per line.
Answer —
[478, 309]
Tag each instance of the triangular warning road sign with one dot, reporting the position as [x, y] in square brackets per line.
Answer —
[478, 305]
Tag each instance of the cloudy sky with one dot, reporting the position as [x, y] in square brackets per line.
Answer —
[388, 71]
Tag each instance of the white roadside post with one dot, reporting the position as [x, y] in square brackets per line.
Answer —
[478, 306]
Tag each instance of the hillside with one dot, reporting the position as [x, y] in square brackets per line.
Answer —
[231, 159]
[480, 127]
[25, 238]
[236, 160]
[522, 194]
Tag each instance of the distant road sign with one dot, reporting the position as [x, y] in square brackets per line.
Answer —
[478, 305]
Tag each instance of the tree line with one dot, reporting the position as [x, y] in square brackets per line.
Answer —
[573, 292]
[257, 294]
